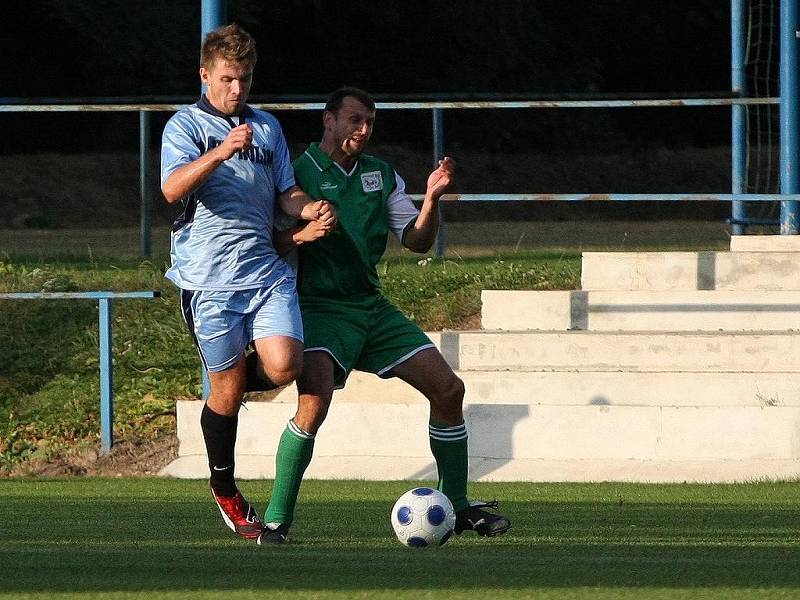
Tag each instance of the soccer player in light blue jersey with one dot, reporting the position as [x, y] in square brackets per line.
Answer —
[228, 164]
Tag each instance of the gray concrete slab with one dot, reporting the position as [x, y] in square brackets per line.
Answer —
[666, 310]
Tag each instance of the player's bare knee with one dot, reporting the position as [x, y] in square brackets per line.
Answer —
[447, 402]
[226, 401]
[453, 393]
[282, 376]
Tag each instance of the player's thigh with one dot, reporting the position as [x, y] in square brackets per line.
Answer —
[428, 372]
[392, 340]
[218, 325]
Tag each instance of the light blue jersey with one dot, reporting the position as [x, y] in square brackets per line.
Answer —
[223, 238]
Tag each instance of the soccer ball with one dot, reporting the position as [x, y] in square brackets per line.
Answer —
[423, 517]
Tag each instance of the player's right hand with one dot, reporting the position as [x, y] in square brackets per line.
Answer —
[311, 231]
[238, 139]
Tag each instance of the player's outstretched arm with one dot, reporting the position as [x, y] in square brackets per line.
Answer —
[421, 236]
[186, 179]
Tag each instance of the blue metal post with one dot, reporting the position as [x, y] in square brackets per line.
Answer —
[145, 246]
[790, 140]
[438, 153]
[106, 377]
[213, 16]
[738, 113]
[106, 367]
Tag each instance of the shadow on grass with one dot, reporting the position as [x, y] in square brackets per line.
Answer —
[100, 545]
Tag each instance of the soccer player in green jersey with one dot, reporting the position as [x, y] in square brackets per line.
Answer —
[349, 324]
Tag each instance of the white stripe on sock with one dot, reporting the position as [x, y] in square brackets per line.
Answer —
[299, 432]
[449, 434]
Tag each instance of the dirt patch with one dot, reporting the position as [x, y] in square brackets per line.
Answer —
[128, 458]
[473, 322]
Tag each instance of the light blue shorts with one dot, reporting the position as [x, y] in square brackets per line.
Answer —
[224, 322]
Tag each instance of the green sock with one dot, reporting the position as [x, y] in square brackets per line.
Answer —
[449, 447]
[294, 455]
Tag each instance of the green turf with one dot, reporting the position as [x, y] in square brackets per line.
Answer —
[158, 538]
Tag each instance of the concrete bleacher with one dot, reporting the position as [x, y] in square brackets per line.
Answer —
[671, 366]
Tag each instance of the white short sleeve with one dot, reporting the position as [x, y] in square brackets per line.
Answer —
[401, 208]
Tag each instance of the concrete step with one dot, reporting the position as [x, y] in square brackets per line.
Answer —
[690, 271]
[762, 352]
[377, 468]
[521, 442]
[765, 243]
[558, 388]
[668, 310]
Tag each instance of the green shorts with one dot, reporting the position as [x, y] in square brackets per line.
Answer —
[366, 333]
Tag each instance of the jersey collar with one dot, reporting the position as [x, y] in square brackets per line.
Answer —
[206, 106]
[324, 162]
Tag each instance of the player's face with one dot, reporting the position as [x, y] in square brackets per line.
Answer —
[352, 126]
[227, 85]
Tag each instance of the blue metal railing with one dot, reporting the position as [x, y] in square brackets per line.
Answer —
[437, 108]
[615, 197]
[104, 300]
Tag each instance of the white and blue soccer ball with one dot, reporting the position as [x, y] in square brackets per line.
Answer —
[423, 517]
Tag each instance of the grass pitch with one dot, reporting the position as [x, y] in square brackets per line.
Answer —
[158, 538]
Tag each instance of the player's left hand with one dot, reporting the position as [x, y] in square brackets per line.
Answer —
[321, 211]
[442, 178]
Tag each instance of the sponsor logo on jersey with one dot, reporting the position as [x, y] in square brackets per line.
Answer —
[253, 153]
[372, 181]
[327, 185]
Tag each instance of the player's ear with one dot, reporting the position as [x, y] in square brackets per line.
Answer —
[204, 75]
[328, 119]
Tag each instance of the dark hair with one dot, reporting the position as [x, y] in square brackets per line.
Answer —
[336, 98]
[231, 43]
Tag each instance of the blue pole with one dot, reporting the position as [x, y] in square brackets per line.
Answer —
[738, 114]
[212, 16]
[438, 153]
[145, 246]
[106, 377]
[790, 140]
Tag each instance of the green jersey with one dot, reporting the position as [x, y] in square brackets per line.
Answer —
[369, 201]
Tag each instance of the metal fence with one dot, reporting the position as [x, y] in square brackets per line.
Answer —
[437, 108]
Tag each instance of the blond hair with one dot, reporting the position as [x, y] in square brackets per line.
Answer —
[230, 43]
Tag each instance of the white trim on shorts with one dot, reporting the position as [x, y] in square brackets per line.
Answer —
[403, 359]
